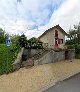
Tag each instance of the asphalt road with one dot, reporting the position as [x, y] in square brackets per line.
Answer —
[70, 85]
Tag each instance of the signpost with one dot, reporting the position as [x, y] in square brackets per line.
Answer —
[8, 43]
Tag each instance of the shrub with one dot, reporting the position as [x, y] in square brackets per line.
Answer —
[77, 50]
[34, 43]
[7, 57]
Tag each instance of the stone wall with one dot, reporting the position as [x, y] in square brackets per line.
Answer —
[18, 60]
[49, 57]
[31, 52]
[71, 54]
[58, 56]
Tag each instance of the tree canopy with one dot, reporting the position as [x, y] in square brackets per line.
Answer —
[74, 35]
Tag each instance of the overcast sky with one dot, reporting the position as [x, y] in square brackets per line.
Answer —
[33, 17]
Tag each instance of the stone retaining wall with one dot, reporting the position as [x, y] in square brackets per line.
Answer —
[49, 57]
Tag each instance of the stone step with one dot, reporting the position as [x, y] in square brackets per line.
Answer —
[31, 60]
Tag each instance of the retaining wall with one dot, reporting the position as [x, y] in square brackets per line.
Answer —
[49, 57]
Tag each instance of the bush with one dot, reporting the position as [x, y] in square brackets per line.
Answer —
[70, 46]
[33, 43]
[7, 57]
[78, 56]
[77, 50]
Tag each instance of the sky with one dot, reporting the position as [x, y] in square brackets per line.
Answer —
[33, 17]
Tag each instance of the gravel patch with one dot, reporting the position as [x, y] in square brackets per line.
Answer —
[37, 77]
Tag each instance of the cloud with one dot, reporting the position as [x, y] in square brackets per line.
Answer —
[18, 17]
[67, 15]
[33, 17]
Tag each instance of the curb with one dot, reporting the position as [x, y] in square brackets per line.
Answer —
[56, 82]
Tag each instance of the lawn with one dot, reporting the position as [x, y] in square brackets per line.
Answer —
[7, 57]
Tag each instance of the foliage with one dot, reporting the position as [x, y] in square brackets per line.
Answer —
[7, 57]
[71, 46]
[74, 35]
[74, 39]
[22, 40]
[34, 43]
[77, 49]
[3, 36]
[14, 39]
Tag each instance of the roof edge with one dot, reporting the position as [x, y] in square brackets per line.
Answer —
[58, 27]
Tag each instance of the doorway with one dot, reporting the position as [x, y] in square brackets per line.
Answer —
[66, 55]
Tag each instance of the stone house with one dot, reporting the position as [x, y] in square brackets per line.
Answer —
[53, 37]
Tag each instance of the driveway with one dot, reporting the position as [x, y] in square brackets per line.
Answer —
[70, 85]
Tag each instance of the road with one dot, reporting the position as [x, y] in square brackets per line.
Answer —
[70, 85]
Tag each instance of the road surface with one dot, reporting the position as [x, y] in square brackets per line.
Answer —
[69, 85]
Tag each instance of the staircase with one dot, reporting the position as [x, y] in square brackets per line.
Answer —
[30, 61]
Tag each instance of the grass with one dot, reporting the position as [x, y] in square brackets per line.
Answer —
[7, 57]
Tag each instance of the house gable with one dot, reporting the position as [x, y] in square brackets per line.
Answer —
[49, 40]
[58, 27]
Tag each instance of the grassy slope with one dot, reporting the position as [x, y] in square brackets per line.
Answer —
[7, 57]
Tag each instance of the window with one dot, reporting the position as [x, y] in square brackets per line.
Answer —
[56, 41]
[61, 41]
[56, 33]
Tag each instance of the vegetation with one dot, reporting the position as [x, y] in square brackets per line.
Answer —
[3, 36]
[7, 57]
[14, 38]
[22, 40]
[32, 43]
[8, 54]
[74, 39]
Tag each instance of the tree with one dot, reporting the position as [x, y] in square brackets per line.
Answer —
[15, 38]
[74, 39]
[77, 29]
[22, 41]
[3, 36]
[74, 35]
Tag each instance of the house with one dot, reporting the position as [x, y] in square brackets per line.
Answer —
[53, 37]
